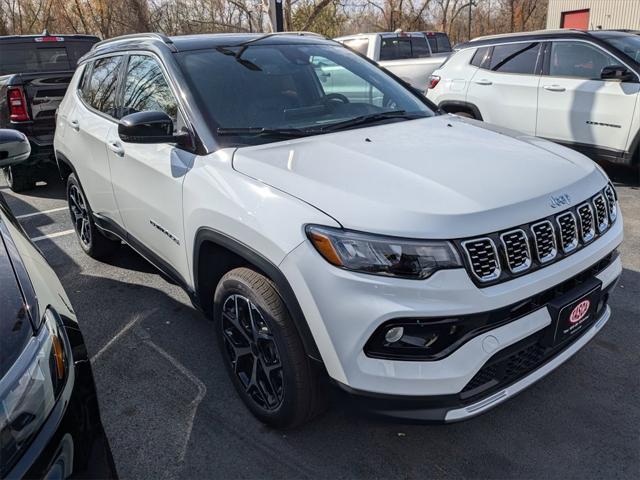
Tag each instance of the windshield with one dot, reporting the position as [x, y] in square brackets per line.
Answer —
[301, 88]
[628, 44]
[29, 57]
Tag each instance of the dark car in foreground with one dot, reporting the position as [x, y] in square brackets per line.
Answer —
[34, 73]
[50, 423]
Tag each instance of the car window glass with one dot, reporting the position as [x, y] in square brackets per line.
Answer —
[395, 48]
[101, 88]
[515, 58]
[443, 43]
[419, 47]
[146, 89]
[338, 81]
[578, 59]
[481, 57]
[360, 45]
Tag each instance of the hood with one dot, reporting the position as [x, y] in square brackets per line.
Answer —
[439, 177]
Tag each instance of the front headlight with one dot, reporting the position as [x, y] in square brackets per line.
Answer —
[381, 255]
[30, 389]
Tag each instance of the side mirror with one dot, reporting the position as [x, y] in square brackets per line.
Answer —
[149, 127]
[617, 72]
[14, 147]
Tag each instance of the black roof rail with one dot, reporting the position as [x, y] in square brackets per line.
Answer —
[149, 35]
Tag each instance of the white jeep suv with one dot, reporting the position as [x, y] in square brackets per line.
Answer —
[430, 266]
[573, 87]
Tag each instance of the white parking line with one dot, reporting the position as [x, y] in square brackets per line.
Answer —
[52, 235]
[44, 212]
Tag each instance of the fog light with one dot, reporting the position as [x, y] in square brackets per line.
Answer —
[394, 334]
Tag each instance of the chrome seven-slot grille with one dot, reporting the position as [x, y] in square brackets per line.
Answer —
[518, 250]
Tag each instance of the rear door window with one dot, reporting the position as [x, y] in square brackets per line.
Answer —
[515, 58]
[419, 47]
[101, 87]
[395, 48]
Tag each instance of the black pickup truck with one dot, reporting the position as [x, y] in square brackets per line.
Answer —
[35, 71]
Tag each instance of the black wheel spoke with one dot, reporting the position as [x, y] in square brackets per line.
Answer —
[252, 351]
[80, 215]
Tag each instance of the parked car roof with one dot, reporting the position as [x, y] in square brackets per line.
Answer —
[203, 41]
[539, 35]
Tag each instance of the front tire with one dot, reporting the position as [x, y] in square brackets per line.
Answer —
[263, 352]
[19, 178]
[91, 239]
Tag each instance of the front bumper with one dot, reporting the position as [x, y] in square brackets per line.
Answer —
[343, 309]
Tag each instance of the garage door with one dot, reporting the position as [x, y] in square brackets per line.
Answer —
[576, 19]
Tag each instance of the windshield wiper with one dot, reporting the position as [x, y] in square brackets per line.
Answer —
[266, 132]
[372, 118]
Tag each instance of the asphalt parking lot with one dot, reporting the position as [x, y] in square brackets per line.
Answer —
[171, 412]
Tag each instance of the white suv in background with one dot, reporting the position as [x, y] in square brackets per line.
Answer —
[423, 263]
[572, 87]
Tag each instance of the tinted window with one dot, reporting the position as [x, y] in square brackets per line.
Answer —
[146, 88]
[35, 57]
[515, 58]
[101, 88]
[481, 57]
[628, 44]
[360, 45]
[578, 59]
[419, 47]
[439, 42]
[395, 48]
[289, 86]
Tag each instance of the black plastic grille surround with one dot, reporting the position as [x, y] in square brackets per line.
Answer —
[500, 256]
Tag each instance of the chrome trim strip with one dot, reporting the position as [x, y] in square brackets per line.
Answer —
[499, 397]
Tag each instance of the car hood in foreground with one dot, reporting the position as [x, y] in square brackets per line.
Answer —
[440, 177]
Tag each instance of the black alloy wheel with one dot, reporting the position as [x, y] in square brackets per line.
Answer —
[252, 351]
[263, 353]
[80, 215]
[94, 242]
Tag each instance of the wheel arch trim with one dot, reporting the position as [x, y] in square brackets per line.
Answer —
[207, 234]
[461, 104]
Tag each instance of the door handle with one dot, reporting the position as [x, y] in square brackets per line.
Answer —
[75, 125]
[554, 88]
[484, 82]
[116, 148]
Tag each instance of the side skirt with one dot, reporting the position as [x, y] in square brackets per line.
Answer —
[110, 227]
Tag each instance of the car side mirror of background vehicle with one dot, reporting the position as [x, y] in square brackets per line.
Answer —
[14, 147]
[617, 72]
[150, 127]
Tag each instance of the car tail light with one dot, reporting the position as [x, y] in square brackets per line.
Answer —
[17, 105]
[433, 81]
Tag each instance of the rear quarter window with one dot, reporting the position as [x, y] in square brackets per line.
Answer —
[481, 58]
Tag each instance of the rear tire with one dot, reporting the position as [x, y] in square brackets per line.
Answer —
[263, 352]
[91, 239]
[19, 178]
